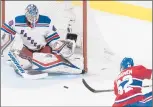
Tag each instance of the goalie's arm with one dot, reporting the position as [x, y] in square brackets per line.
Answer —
[64, 47]
[51, 35]
[7, 35]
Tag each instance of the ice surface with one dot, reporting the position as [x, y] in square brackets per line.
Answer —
[104, 55]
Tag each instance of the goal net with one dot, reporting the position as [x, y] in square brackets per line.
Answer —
[67, 16]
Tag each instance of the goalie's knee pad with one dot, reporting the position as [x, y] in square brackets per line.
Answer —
[25, 63]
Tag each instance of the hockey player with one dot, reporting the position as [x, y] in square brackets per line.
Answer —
[128, 85]
[42, 48]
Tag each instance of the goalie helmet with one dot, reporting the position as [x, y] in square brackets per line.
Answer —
[32, 14]
[126, 63]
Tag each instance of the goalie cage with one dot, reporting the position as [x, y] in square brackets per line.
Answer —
[68, 17]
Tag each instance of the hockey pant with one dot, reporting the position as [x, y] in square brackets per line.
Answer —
[27, 52]
[147, 102]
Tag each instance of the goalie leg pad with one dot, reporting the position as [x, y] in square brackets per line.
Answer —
[23, 60]
[25, 63]
[24, 73]
[53, 63]
[25, 57]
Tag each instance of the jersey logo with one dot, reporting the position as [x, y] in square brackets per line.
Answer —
[124, 84]
[30, 39]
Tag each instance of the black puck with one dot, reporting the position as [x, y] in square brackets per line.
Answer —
[66, 87]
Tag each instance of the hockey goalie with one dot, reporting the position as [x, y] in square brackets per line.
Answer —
[42, 51]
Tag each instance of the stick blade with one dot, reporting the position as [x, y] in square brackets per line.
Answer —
[93, 90]
[87, 86]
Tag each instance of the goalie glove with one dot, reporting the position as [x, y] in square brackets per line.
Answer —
[65, 48]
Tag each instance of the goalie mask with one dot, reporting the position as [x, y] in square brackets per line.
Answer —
[32, 14]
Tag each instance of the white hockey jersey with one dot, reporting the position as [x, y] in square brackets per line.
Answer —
[44, 32]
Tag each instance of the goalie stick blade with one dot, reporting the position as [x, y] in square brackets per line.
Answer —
[93, 90]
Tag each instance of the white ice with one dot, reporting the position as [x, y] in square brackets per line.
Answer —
[119, 35]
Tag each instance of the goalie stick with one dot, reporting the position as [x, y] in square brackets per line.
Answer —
[100, 91]
[24, 73]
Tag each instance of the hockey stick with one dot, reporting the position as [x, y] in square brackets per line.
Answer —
[93, 90]
[24, 73]
[100, 91]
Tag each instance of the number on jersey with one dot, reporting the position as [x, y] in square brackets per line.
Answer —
[124, 84]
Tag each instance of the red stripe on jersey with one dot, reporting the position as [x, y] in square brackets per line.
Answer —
[147, 99]
[55, 36]
[130, 101]
[9, 30]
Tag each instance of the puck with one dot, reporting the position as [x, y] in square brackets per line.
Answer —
[66, 87]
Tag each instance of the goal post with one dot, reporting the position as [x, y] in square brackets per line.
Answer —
[2, 11]
[85, 34]
[63, 13]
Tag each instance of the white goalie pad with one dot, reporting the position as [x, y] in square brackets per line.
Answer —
[27, 74]
[25, 63]
[53, 63]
